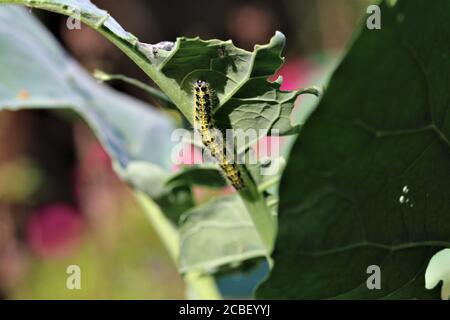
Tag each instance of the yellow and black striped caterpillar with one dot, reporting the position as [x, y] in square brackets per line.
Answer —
[204, 123]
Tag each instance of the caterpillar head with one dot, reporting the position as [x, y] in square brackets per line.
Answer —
[201, 84]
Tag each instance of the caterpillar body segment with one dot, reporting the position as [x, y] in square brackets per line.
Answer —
[211, 139]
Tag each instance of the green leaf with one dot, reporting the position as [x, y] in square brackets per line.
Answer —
[368, 179]
[202, 175]
[266, 174]
[246, 99]
[439, 270]
[88, 12]
[151, 179]
[156, 61]
[217, 234]
[37, 74]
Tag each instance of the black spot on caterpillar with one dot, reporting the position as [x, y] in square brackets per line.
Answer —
[204, 123]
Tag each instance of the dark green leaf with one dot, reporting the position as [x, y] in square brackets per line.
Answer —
[369, 177]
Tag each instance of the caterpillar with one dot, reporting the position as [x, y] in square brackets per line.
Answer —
[204, 123]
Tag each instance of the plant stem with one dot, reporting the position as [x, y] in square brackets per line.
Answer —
[268, 184]
[259, 212]
[157, 94]
[198, 286]
[201, 287]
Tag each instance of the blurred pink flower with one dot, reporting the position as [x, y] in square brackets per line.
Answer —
[295, 73]
[94, 166]
[97, 158]
[54, 231]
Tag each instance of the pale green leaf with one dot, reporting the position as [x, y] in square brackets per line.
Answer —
[217, 234]
[439, 270]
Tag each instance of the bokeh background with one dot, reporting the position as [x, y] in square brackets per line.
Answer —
[60, 201]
